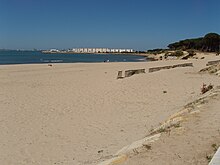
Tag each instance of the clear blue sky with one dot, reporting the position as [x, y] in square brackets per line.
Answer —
[138, 24]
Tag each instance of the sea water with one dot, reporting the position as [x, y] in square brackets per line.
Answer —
[37, 57]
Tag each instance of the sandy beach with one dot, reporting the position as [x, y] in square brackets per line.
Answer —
[79, 114]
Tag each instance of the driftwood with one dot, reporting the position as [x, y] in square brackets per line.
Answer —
[213, 69]
[129, 73]
[154, 69]
[213, 62]
[119, 75]
[206, 88]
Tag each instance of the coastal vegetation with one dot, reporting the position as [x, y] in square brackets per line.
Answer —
[157, 51]
[177, 53]
[209, 43]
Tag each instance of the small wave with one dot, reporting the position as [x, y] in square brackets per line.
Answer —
[45, 60]
[141, 59]
[56, 60]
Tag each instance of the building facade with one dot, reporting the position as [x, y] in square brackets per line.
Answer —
[101, 50]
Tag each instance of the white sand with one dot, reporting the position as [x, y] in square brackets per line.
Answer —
[67, 113]
[192, 143]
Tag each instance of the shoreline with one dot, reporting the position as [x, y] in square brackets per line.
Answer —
[60, 63]
[40, 58]
[136, 54]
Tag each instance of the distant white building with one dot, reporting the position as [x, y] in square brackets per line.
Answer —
[53, 50]
[90, 50]
[101, 50]
[122, 50]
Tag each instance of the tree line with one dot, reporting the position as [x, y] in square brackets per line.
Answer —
[209, 43]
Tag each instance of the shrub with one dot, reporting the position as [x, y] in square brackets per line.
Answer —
[177, 53]
[191, 52]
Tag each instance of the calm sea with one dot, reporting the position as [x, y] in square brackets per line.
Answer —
[36, 57]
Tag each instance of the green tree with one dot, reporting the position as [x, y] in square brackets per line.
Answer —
[211, 42]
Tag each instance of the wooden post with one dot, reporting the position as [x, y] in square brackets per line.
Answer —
[120, 75]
